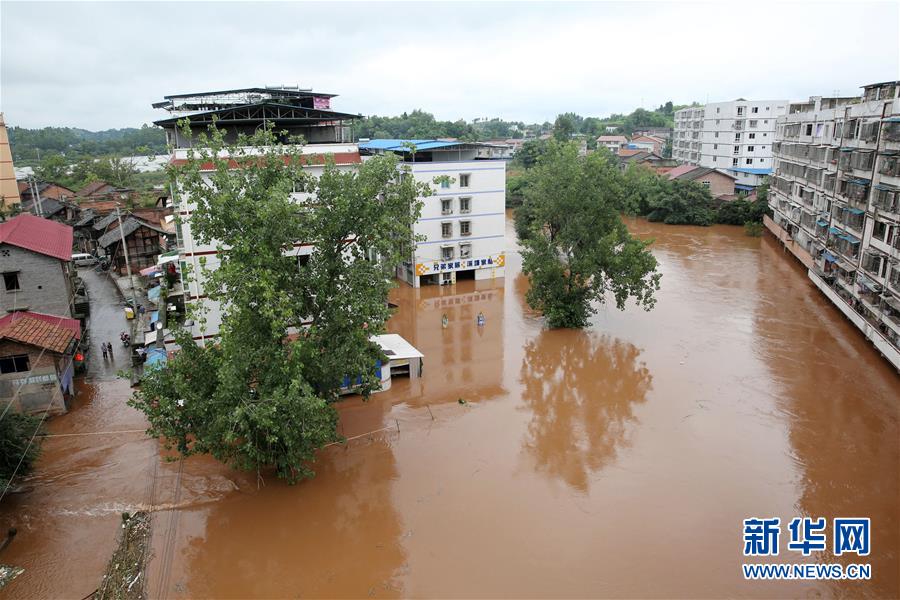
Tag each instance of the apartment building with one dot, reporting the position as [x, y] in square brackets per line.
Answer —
[835, 195]
[464, 221]
[735, 137]
[292, 112]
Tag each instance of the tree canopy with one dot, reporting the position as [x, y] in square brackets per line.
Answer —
[575, 248]
[292, 329]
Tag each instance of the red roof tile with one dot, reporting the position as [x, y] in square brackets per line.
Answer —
[34, 331]
[74, 325]
[38, 235]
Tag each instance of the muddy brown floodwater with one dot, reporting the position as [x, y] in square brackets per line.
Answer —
[618, 461]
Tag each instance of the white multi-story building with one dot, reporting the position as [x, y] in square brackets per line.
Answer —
[464, 222]
[294, 111]
[735, 137]
[835, 196]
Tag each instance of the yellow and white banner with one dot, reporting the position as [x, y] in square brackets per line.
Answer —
[460, 264]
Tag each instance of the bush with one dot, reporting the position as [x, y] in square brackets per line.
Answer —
[16, 431]
[753, 228]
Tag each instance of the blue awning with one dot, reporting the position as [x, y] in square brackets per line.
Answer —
[849, 238]
[830, 257]
[859, 181]
[156, 358]
[845, 149]
[886, 187]
[397, 145]
[892, 120]
[745, 188]
[855, 211]
[822, 223]
[835, 231]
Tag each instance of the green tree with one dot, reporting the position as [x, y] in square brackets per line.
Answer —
[16, 431]
[564, 126]
[682, 203]
[53, 167]
[259, 397]
[530, 152]
[575, 247]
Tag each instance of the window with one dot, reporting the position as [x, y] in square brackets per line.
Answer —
[737, 137]
[717, 134]
[715, 146]
[752, 136]
[717, 121]
[465, 250]
[14, 364]
[465, 205]
[753, 124]
[706, 183]
[718, 109]
[734, 162]
[809, 129]
[740, 110]
[444, 183]
[11, 281]
[749, 161]
[754, 110]
[446, 252]
[465, 228]
[737, 149]
[446, 229]
[714, 159]
[446, 206]
[464, 180]
[750, 148]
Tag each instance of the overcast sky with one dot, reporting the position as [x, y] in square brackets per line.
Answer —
[101, 65]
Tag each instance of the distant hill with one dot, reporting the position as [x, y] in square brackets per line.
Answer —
[30, 145]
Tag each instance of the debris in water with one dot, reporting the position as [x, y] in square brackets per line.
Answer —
[461, 401]
[8, 573]
[123, 578]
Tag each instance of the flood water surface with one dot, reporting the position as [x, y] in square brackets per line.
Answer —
[618, 461]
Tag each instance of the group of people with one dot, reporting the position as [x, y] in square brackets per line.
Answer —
[479, 320]
[106, 347]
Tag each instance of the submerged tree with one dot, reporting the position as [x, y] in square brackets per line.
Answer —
[575, 247]
[292, 330]
[17, 448]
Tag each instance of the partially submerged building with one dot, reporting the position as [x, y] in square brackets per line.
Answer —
[463, 221]
[835, 196]
[294, 113]
[37, 361]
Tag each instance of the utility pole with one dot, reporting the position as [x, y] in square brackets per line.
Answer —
[36, 197]
[127, 264]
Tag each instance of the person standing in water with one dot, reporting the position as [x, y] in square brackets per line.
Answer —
[480, 319]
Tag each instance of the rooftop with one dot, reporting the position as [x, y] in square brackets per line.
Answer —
[129, 226]
[56, 334]
[38, 235]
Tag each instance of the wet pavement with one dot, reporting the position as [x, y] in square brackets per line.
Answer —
[618, 461]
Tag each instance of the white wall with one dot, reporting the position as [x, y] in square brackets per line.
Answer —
[487, 193]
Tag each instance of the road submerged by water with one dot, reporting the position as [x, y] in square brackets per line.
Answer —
[618, 461]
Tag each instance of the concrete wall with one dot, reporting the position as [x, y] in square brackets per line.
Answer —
[486, 217]
[719, 144]
[45, 285]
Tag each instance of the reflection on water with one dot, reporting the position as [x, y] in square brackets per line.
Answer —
[614, 462]
[579, 388]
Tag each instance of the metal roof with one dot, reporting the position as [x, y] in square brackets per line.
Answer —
[403, 145]
[261, 90]
[751, 171]
[38, 235]
[259, 112]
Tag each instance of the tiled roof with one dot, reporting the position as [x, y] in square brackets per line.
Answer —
[103, 223]
[92, 188]
[38, 235]
[74, 325]
[28, 328]
[680, 170]
[129, 226]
